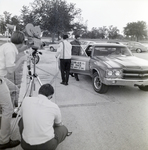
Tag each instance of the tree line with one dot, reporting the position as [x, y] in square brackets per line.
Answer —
[57, 16]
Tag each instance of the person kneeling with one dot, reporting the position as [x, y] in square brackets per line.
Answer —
[41, 124]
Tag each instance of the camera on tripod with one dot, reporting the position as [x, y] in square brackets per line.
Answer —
[34, 41]
[34, 36]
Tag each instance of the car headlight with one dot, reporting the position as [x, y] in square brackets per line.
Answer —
[117, 73]
[114, 73]
[109, 73]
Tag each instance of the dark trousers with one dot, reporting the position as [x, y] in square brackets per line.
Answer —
[65, 69]
[60, 135]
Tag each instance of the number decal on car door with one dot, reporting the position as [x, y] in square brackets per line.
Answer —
[79, 65]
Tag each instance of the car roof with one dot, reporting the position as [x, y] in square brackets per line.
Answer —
[109, 44]
[88, 41]
[133, 42]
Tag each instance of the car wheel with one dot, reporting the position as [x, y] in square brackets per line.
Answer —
[37, 59]
[143, 88]
[138, 50]
[98, 86]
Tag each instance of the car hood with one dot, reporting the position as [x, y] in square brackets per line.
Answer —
[125, 62]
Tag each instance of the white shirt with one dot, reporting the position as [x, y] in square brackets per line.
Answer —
[67, 49]
[8, 53]
[39, 114]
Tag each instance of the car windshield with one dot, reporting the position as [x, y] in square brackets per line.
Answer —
[111, 51]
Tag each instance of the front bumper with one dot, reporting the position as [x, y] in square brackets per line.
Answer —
[116, 81]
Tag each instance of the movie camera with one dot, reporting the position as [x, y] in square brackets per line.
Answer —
[34, 36]
[34, 41]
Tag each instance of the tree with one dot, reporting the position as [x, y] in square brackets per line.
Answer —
[136, 29]
[2, 25]
[26, 16]
[103, 32]
[113, 32]
[55, 16]
[7, 19]
[79, 29]
[15, 20]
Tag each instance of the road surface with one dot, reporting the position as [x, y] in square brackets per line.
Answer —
[117, 120]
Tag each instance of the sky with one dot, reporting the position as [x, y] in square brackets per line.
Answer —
[97, 13]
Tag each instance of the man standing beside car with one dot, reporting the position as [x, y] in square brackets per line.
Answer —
[64, 52]
[76, 50]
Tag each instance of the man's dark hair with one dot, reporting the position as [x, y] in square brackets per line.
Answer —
[17, 37]
[65, 36]
[77, 36]
[46, 90]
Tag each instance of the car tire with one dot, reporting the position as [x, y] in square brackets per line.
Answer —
[143, 88]
[37, 59]
[98, 86]
[138, 50]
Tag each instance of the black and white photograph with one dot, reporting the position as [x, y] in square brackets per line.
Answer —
[74, 74]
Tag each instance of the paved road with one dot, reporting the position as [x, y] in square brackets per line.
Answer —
[117, 120]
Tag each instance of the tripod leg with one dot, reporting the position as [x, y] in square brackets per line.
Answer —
[39, 80]
[30, 82]
[31, 87]
[15, 122]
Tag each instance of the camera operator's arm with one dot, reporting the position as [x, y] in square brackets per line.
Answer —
[20, 61]
[11, 54]
[17, 65]
[23, 48]
[58, 119]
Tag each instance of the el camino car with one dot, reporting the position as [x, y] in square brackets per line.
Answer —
[111, 64]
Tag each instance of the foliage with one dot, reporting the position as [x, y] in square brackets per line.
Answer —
[103, 33]
[26, 16]
[2, 25]
[113, 32]
[136, 29]
[56, 17]
[8, 19]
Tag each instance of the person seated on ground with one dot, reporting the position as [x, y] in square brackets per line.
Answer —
[41, 124]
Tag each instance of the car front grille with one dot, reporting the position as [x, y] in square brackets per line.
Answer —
[135, 74]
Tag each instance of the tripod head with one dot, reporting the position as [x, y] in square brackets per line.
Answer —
[36, 52]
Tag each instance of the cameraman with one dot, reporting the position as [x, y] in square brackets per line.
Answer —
[41, 124]
[8, 64]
